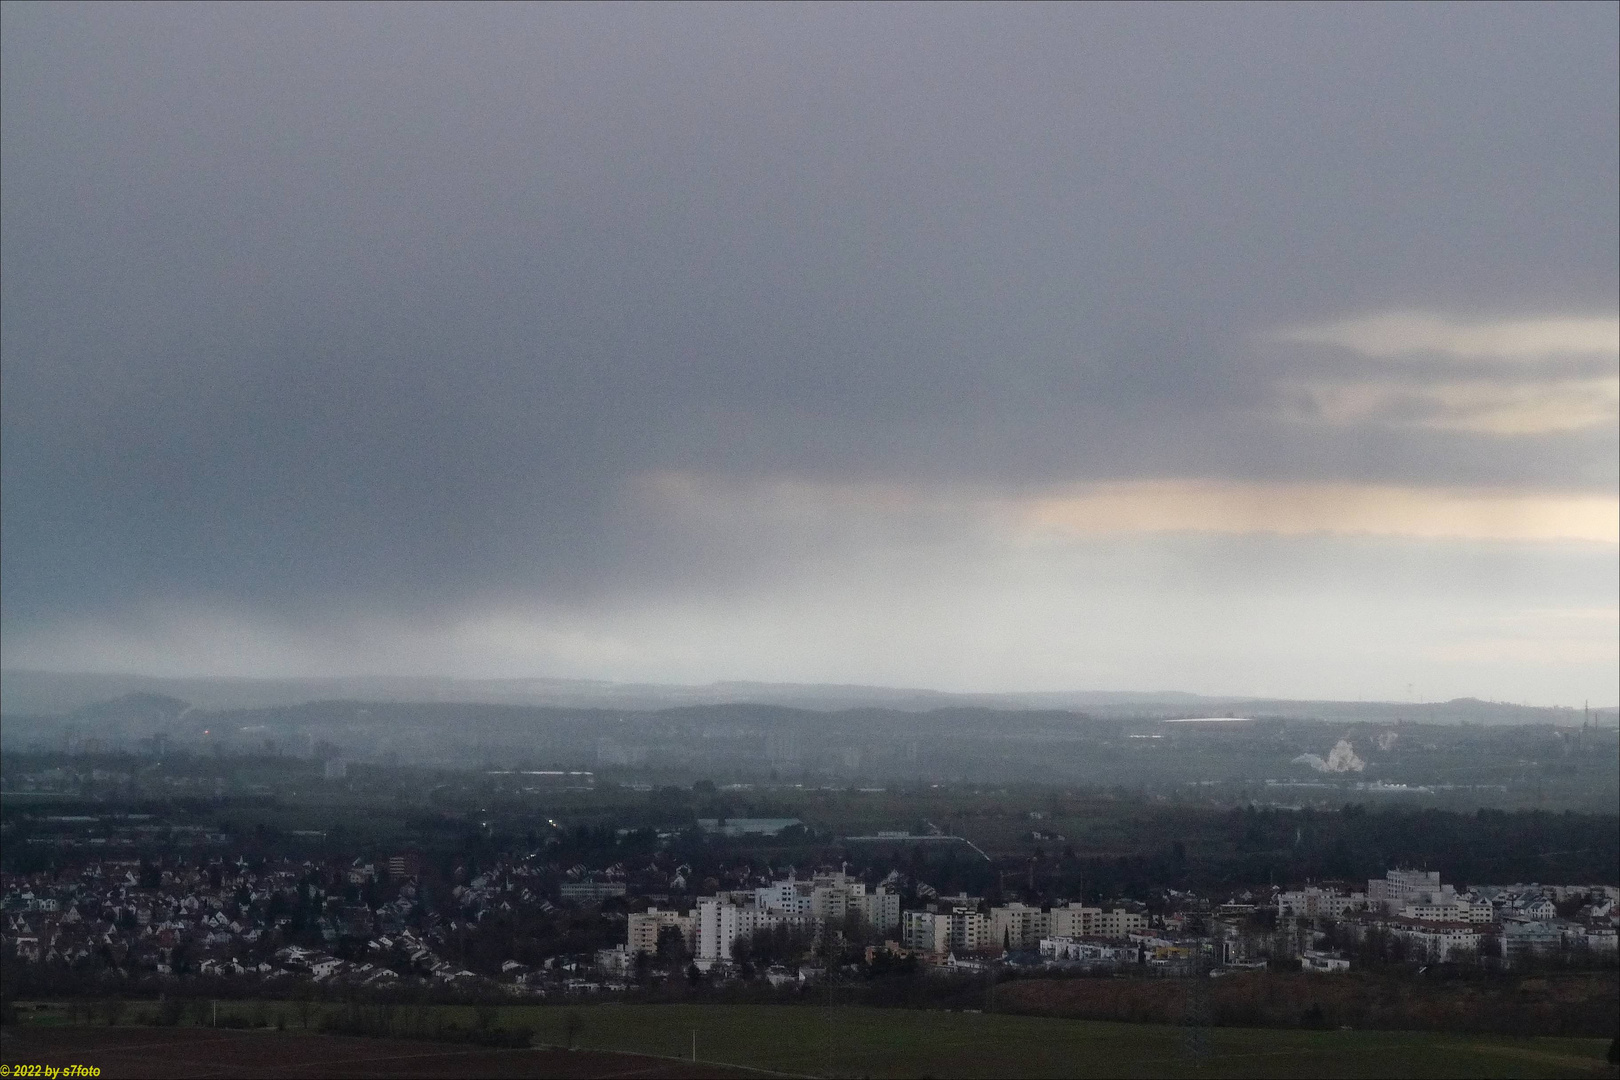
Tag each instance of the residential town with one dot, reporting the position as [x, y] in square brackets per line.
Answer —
[378, 922]
[1431, 921]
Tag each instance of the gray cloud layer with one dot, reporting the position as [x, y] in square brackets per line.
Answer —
[386, 309]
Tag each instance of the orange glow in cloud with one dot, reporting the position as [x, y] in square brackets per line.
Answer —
[1323, 509]
[1153, 506]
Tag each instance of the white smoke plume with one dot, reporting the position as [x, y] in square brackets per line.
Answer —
[1342, 758]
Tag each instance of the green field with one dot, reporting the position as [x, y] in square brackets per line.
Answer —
[852, 1041]
[892, 1042]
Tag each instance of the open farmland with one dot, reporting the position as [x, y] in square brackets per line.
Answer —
[900, 1043]
[206, 1052]
[648, 1040]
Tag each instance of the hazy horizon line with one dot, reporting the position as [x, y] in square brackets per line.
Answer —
[718, 683]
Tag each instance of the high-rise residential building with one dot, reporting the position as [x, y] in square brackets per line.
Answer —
[925, 932]
[1075, 921]
[1397, 888]
[1018, 926]
[958, 930]
[1121, 923]
[721, 922]
[646, 926]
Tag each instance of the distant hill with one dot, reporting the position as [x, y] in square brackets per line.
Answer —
[156, 710]
[135, 697]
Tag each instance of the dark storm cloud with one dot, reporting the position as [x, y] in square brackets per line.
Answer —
[385, 306]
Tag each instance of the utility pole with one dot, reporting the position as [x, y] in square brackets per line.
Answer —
[828, 1027]
[1196, 1044]
[694, 1046]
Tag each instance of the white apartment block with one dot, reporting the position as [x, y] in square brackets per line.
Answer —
[1396, 889]
[970, 931]
[825, 900]
[1312, 902]
[831, 897]
[1418, 894]
[958, 930]
[645, 926]
[804, 898]
[880, 908]
[1450, 908]
[1439, 942]
[720, 924]
[1018, 926]
[617, 961]
[925, 932]
[1520, 938]
[1120, 923]
[1078, 921]
[1596, 938]
[1075, 921]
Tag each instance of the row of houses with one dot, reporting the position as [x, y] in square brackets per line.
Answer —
[1513, 940]
[232, 918]
[1436, 922]
[1421, 896]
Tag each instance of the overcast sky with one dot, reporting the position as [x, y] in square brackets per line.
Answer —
[1255, 349]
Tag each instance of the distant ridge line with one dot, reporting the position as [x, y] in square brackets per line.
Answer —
[33, 692]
